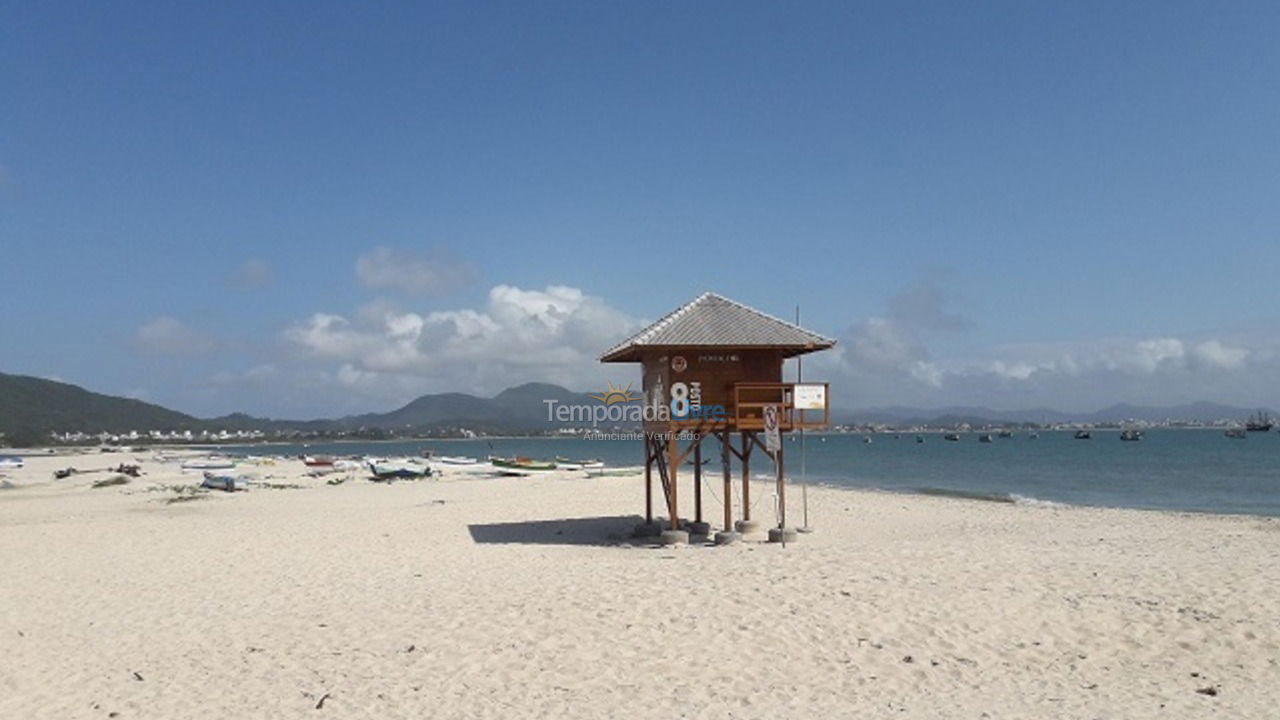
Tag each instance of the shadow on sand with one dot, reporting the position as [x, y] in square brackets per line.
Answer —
[614, 530]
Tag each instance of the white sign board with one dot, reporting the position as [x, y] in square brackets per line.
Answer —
[810, 397]
[772, 439]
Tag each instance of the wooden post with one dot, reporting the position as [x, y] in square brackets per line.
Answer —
[697, 479]
[746, 476]
[782, 493]
[648, 481]
[728, 486]
[673, 471]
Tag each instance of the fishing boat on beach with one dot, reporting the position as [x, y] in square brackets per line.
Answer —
[318, 461]
[10, 462]
[564, 463]
[398, 469]
[212, 462]
[521, 466]
[457, 460]
[227, 483]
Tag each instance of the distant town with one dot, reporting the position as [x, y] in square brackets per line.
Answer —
[231, 437]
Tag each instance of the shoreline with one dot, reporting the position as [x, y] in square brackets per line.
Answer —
[794, 485]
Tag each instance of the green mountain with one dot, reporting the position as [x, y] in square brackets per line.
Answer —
[31, 408]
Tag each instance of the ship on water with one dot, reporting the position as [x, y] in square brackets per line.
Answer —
[1260, 422]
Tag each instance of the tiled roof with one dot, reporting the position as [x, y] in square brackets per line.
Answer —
[712, 320]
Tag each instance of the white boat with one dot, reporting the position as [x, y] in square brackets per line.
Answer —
[457, 460]
[563, 463]
[10, 462]
[209, 463]
[224, 482]
[398, 469]
[513, 471]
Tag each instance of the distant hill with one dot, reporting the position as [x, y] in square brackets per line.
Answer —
[521, 407]
[32, 407]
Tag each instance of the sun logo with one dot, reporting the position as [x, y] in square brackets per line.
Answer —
[616, 395]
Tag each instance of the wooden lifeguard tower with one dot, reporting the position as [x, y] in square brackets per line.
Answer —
[713, 369]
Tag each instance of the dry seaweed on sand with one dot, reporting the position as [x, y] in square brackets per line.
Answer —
[111, 481]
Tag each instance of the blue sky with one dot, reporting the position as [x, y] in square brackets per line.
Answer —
[1011, 204]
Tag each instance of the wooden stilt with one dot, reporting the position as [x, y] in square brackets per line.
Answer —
[648, 480]
[673, 471]
[782, 492]
[746, 475]
[728, 482]
[697, 479]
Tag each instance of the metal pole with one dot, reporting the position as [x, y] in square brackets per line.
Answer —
[804, 475]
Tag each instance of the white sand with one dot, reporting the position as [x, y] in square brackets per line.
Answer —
[400, 601]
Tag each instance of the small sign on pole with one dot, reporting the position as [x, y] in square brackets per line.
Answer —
[772, 438]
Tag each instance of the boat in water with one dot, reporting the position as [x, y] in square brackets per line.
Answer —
[1084, 435]
[919, 439]
[398, 469]
[1006, 434]
[1260, 421]
[951, 437]
[1131, 436]
[1236, 434]
[984, 438]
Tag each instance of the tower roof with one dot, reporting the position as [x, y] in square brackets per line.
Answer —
[711, 320]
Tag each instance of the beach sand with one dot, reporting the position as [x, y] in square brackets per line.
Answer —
[523, 597]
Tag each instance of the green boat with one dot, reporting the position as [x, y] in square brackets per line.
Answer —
[520, 465]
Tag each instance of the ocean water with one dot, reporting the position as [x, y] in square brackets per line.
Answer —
[1188, 470]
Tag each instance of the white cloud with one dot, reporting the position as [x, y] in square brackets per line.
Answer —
[1214, 354]
[435, 273]
[886, 360]
[554, 334]
[166, 335]
[253, 274]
